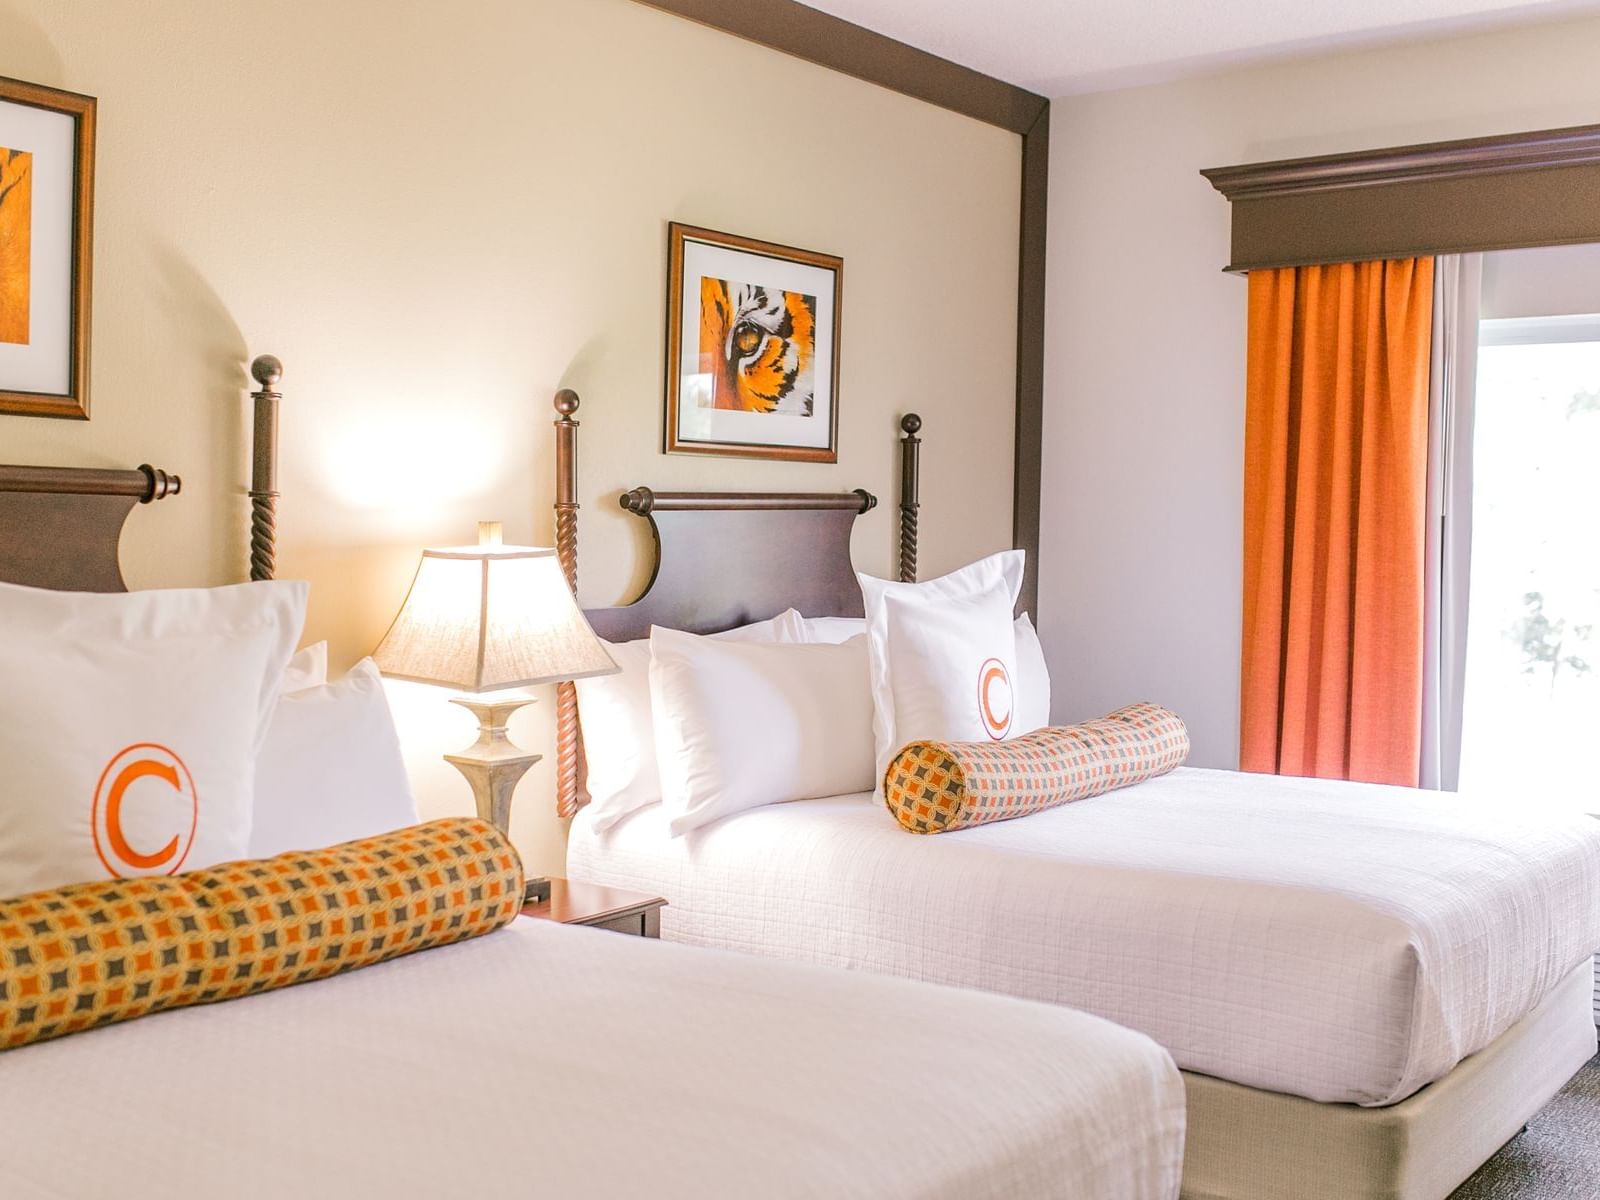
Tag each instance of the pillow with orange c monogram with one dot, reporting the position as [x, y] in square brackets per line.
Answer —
[936, 787]
[129, 727]
[94, 953]
[942, 656]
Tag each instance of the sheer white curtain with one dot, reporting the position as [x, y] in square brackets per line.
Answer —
[1458, 282]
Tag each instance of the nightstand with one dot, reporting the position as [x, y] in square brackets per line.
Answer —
[590, 904]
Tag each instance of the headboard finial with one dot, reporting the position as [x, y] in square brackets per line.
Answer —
[566, 402]
[161, 486]
[910, 452]
[267, 371]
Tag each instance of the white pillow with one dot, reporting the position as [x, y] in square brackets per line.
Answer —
[1033, 680]
[307, 669]
[833, 630]
[1033, 675]
[130, 724]
[618, 734]
[331, 769]
[742, 725]
[943, 656]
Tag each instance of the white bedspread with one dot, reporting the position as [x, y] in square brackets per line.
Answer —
[1344, 942]
[544, 1060]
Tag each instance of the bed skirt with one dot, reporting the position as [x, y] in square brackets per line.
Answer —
[1247, 1144]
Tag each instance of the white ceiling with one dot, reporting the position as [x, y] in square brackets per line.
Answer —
[1061, 47]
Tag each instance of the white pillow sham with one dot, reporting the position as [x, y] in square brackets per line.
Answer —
[1033, 673]
[943, 656]
[130, 725]
[307, 669]
[1033, 679]
[331, 769]
[741, 725]
[618, 732]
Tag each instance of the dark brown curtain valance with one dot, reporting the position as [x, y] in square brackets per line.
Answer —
[1492, 193]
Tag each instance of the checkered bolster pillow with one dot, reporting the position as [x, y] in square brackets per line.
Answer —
[934, 787]
[93, 953]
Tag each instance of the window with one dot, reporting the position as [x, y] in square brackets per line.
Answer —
[1532, 689]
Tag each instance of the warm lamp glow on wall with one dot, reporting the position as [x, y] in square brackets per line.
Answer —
[483, 619]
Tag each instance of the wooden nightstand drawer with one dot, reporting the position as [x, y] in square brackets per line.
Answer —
[600, 908]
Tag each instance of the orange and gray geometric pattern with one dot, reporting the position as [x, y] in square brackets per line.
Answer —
[935, 787]
[93, 953]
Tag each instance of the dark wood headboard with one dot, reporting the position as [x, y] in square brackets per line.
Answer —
[722, 559]
[749, 543]
[60, 526]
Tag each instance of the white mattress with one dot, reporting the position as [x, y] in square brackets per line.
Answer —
[545, 1060]
[1343, 942]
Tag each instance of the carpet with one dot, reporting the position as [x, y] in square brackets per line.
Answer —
[1556, 1158]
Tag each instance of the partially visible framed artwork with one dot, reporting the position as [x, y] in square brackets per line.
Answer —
[752, 348]
[46, 244]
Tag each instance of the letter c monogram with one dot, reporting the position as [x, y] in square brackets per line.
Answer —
[143, 760]
[995, 699]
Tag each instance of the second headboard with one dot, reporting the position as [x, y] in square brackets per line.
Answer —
[722, 559]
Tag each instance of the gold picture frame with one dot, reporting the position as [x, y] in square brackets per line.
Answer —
[46, 249]
[752, 348]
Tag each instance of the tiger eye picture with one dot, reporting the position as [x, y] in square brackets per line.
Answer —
[752, 348]
[757, 347]
[16, 243]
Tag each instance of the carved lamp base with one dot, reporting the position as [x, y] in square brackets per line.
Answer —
[493, 764]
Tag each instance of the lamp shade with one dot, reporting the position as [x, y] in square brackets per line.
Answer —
[480, 618]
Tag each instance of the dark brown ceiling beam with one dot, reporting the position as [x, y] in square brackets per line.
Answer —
[1028, 468]
[831, 42]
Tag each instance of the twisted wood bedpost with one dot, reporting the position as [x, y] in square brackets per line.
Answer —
[566, 404]
[910, 450]
[266, 371]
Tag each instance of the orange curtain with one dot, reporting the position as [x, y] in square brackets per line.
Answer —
[1336, 455]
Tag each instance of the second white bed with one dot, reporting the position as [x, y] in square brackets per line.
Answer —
[1346, 943]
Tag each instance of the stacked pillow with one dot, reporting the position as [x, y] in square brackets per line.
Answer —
[618, 721]
[129, 723]
[143, 734]
[944, 657]
[741, 725]
[331, 770]
[1033, 675]
[797, 708]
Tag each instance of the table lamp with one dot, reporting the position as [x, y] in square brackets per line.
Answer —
[484, 619]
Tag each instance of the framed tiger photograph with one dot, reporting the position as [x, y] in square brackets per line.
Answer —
[752, 348]
[46, 234]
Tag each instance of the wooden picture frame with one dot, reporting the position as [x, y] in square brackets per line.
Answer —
[46, 249]
[752, 348]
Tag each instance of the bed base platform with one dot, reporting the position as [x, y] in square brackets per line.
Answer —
[1247, 1144]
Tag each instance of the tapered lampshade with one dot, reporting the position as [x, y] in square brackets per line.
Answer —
[482, 618]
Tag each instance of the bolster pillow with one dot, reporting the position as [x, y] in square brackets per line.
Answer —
[934, 787]
[93, 953]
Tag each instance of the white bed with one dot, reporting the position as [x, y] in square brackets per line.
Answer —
[548, 1060]
[1368, 989]
[1346, 943]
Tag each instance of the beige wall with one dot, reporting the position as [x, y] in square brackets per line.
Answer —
[437, 214]
[1144, 420]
